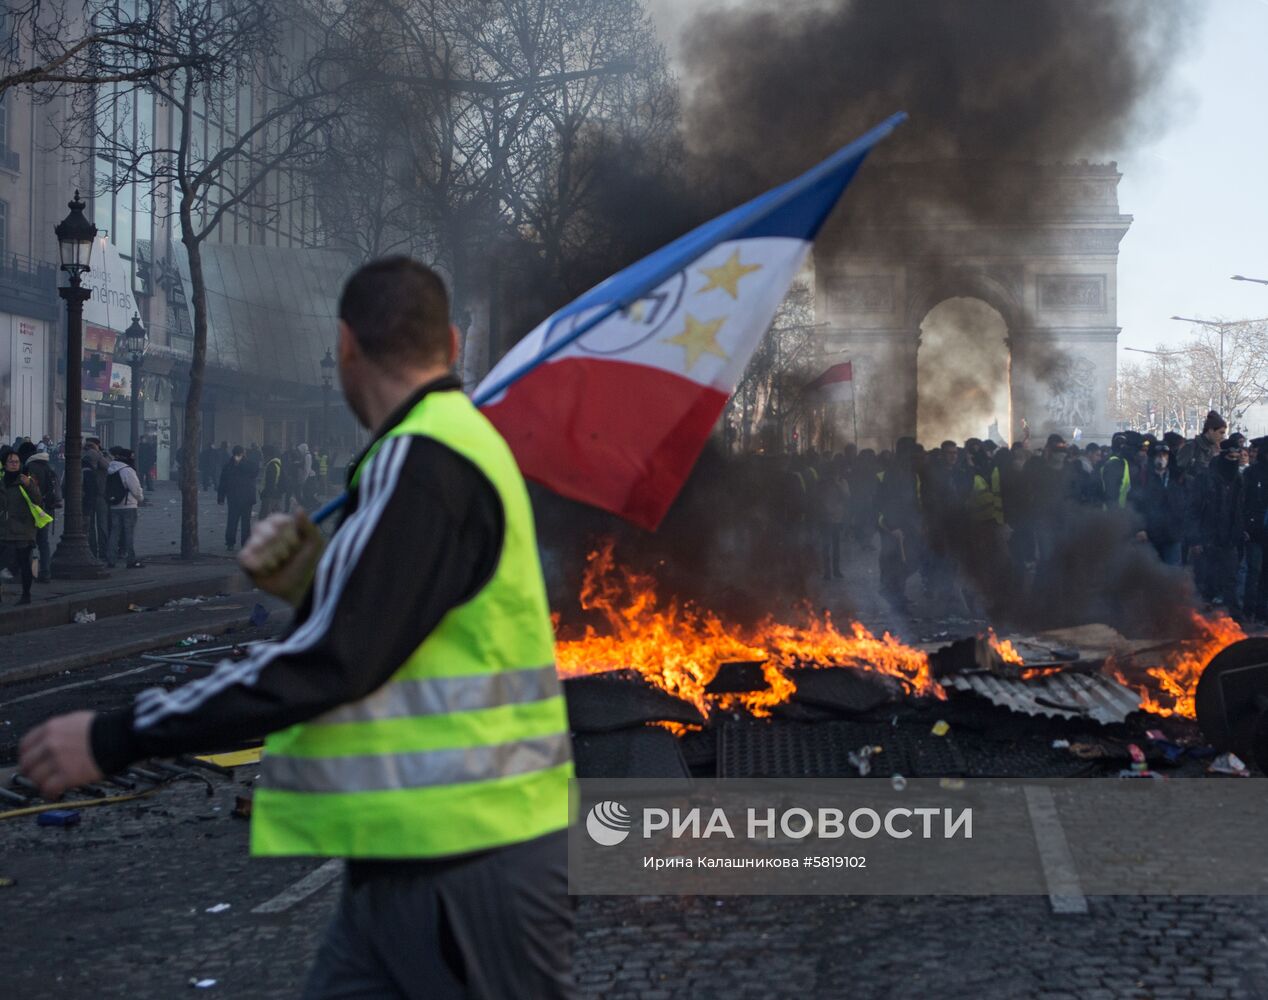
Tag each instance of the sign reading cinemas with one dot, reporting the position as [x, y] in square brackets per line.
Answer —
[106, 315]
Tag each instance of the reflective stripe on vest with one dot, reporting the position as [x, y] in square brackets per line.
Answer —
[466, 746]
[387, 772]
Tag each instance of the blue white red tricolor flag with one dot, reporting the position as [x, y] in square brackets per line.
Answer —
[611, 399]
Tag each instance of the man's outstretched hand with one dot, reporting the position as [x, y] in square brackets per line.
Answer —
[57, 755]
[282, 554]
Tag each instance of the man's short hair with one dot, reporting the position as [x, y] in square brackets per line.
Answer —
[398, 310]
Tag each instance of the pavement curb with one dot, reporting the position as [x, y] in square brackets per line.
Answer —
[135, 640]
[30, 671]
[107, 604]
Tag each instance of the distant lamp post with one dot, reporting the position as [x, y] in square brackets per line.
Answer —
[1222, 326]
[135, 342]
[73, 560]
[327, 378]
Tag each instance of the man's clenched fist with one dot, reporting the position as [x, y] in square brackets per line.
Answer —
[58, 754]
[282, 554]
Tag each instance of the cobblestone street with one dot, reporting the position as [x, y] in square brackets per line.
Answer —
[118, 907]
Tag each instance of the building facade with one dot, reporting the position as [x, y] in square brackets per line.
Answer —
[140, 268]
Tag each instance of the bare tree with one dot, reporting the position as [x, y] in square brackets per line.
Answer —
[1228, 365]
[1158, 394]
[472, 126]
[243, 109]
[770, 403]
[47, 45]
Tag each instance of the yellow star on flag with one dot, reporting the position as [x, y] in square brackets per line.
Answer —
[699, 338]
[727, 277]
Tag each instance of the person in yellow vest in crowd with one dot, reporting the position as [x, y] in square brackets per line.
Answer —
[21, 517]
[985, 504]
[323, 470]
[1121, 472]
[417, 725]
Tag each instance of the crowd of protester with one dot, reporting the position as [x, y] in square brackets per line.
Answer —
[114, 483]
[1201, 504]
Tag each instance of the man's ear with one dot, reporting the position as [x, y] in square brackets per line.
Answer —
[346, 348]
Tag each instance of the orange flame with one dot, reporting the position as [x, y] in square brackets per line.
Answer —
[1006, 650]
[1182, 666]
[680, 647]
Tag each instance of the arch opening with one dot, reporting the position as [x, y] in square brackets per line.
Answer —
[963, 383]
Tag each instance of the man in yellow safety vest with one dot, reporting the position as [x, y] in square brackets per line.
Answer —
[417, 726]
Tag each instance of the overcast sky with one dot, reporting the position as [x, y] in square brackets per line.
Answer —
[1198, 192]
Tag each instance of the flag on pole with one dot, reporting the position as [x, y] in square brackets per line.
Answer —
[836, 385]
[611, 399]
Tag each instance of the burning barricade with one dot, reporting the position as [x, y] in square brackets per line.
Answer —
[667, 669]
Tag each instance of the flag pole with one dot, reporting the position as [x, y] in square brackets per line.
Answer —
[854, 403]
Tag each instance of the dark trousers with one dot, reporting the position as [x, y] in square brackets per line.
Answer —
[122, 537]
[897, 561]
[1254, 595]
[16, 557]
[498, 924]
[239, 515]
[97, 525]
[1221, 564]
[830, 548]
[42, 538]
[1168, 552]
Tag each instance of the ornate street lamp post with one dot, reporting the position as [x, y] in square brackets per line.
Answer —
[327, 374]
[73, 560]
[135, 341]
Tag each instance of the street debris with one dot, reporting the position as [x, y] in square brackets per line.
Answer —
[242, 806]
[196, 638]
[59, 817]
[185, 602]
[259, 615]
[85, 617]
[6, 882]
[218, 908]
[201, 984]
[941, 728]
[1229, 763]
[861, 759]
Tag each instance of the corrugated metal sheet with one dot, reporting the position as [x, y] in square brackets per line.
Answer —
[1064, 695]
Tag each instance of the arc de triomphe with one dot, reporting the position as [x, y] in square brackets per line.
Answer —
[1051, 277]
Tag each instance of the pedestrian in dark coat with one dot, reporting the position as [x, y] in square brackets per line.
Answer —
[1255, 599]
[19, 499]
[1223, 527]
[1167, 508]
[95, 464]
[237, 486]
[40, 468]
